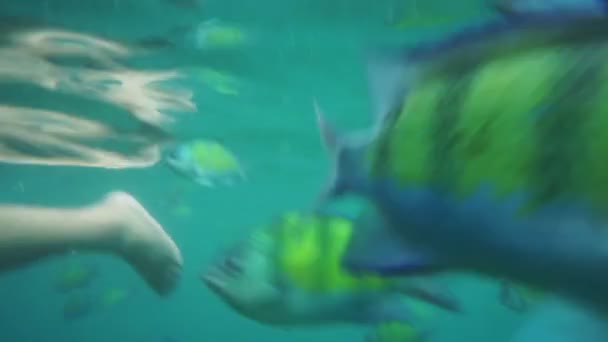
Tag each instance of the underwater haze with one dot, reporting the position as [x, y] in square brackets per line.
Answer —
[129, 80]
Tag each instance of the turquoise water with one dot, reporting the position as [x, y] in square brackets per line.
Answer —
[298, 50]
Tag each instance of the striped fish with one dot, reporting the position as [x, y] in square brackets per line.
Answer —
[290, 273]
[488, 154]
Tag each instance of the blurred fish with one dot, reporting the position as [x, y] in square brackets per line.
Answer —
[488, 154]
[430, 15]
[206, 162]
[290, 273]
[396, 332]
[114, 296]
[77, 306]
[219, 81]
[212, 34]
[216, 34]
[75, 275]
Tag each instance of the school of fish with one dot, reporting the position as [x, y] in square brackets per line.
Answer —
[485, 157]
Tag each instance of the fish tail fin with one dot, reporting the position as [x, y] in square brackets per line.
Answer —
[348, 174]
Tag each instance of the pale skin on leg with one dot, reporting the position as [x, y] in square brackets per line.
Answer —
[117, 225]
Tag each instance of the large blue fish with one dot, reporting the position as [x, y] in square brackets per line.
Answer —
[489, 154]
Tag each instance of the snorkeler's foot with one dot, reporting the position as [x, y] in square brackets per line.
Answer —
[144, 243]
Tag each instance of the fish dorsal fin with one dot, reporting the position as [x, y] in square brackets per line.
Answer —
[389, 77]
[329, 136]
[347, 170]
[523, 30]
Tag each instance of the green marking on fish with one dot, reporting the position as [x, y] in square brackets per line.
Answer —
[559, 134]
[499, 142]
[445, 130]
[590, 168]
[532, 120]
[310, 251]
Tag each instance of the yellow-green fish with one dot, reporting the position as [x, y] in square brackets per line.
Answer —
[114, 296]
[489, 153]
[396, 332]
[207, 162]
[215, 34]
[219, 81]
[77, 305]
[75, 275]
[290, 273]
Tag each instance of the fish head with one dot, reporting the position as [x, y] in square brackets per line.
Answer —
[244, 277]
[180, 159]
[207, 162]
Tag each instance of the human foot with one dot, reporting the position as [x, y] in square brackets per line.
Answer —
[144, 243]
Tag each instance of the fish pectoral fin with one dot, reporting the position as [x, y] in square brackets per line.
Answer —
[348, 173]
[375, 247]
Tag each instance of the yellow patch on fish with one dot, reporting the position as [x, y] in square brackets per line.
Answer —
[216, 34]
[310, 251]
[212, 155]
[396, 332]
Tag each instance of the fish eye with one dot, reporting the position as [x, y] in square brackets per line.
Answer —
[232, 266]
[172, 155]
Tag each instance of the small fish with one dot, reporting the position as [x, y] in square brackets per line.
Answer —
[206, 162]
[75, 275]
[488, 154]
[396, 332]
[114, 296]
[209, 35]
[78, 306]
[221, 82]
[216, 34]
[290, 273]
